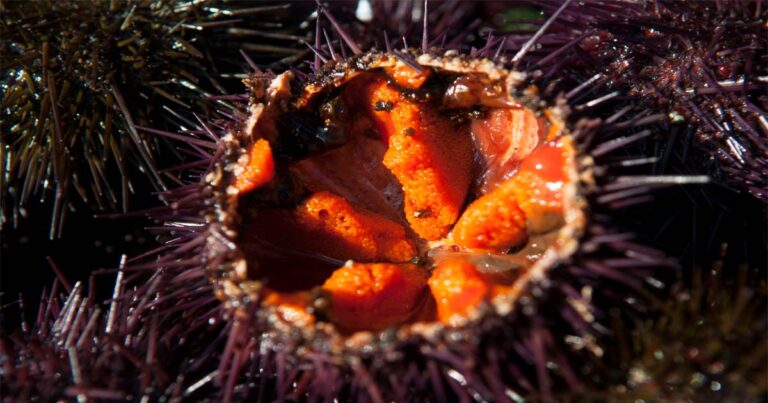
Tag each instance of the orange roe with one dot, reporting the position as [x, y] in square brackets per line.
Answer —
[260, 168]
[336, 228]
[458, 289]
[494, 221]
[430, 156]
[374, 296]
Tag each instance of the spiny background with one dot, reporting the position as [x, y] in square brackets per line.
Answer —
[154, 56]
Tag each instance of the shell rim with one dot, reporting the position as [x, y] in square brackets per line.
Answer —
[240, 293]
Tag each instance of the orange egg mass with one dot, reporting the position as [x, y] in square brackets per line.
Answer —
[374, 296]
[260, 168]
[458, 289]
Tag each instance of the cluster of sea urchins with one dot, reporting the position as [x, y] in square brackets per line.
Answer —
[321, 253]
[704, 63]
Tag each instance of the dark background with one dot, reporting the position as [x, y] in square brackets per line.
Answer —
[88, 243]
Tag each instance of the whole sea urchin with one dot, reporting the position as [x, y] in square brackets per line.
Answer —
[79, 77]
[407, 129]
[705, 63]
[711, 343]
[285, 161]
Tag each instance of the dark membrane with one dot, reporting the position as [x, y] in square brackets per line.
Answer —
[303, 134]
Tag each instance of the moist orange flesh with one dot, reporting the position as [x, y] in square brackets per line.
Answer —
[374, 296]
[430, 156]
[458, 289]
[494, 221]
[260, 168]
[340, 230]
[499, 220]
[327, 226]
[547, 161]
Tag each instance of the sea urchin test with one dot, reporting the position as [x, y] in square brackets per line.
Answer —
[393, 190]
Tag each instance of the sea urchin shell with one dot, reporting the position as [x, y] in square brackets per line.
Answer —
[378, 161]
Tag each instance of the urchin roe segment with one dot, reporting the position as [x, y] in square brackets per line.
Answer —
[259, 167]
[429, 155]
[391, 164]
[530, 202]
[344, 232]
[494, 221]
[458, 289]
[375, 296]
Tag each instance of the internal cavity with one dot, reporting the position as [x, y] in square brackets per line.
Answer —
[391, 194]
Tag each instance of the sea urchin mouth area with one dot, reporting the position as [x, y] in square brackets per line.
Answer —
[400, 193]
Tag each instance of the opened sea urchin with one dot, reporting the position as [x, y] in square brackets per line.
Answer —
[405, 194]
[407, 200]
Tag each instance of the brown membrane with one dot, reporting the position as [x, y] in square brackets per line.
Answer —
[356, 154]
